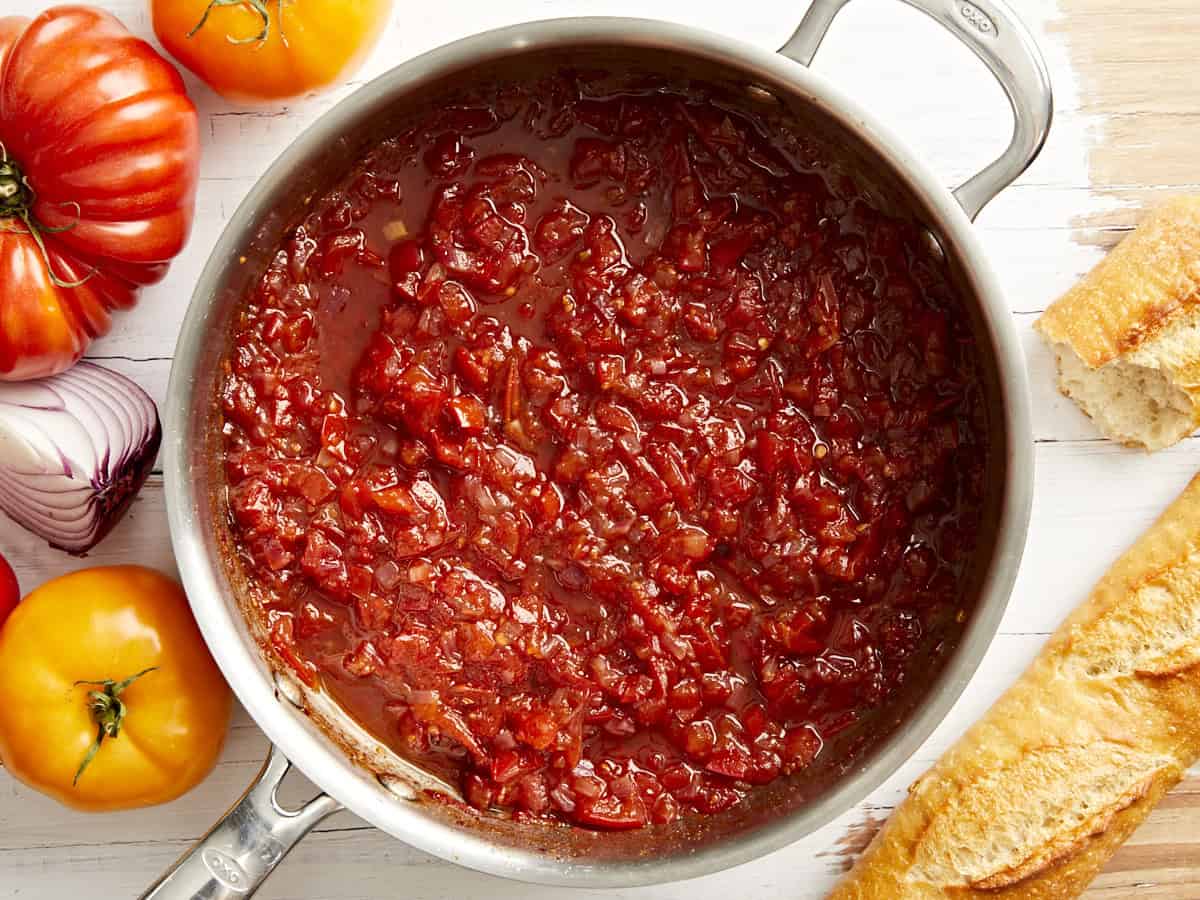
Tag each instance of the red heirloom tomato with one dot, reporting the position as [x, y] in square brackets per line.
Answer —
[10, 593]
[99, 150]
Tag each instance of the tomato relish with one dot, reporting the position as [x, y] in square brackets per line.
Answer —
[607, 453]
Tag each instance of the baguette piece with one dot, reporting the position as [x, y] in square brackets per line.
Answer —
[1037, 795]
[1127, 337]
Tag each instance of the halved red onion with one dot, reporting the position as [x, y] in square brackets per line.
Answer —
[74, 450]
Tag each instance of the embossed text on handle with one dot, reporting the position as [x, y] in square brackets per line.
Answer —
[225, 869]
[976, 18]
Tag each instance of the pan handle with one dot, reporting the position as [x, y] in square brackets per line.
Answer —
[1006, 47]
[233, 860]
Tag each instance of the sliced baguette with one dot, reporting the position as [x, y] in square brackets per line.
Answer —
[1038, 794]
[1127, 337]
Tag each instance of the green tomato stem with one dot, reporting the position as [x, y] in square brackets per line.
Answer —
[15, 194]
[108, 711]
[258, 6]
[16, 202]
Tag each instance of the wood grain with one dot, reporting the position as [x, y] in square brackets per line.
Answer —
[1136, 66]
[1123, 73]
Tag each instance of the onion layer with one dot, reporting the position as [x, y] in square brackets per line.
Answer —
[74, 451]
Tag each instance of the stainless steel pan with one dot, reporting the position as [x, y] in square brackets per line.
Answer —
[347, 764]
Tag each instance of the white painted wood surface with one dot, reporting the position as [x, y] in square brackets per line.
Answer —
[1092, 497]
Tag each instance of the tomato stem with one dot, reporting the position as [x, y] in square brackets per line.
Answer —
[16, 196]
[108, 711]
[258, 6]
[16, 202]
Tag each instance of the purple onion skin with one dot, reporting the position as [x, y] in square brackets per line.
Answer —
[116, 499]
[103, 448]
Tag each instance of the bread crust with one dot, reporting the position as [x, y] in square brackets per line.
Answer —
[1040, 792]
[1133, 294]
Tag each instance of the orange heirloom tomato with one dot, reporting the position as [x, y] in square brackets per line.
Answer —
[111, 699]
[269, 49]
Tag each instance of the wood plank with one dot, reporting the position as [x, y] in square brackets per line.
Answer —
[1071, 521]
[1054, 417]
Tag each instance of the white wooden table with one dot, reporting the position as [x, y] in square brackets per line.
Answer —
[1124, 134]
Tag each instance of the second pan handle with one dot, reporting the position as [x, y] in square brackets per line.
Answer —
[996, 36]
[233, 860]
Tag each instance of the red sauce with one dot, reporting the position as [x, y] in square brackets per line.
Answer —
[649, 459]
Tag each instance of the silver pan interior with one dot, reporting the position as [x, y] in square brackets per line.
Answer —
[341, 757]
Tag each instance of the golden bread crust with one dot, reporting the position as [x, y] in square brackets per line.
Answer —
[1135, 292]
[1037, 795]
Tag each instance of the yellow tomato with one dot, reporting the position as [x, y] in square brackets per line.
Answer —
[107, 666]
[269, 49]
